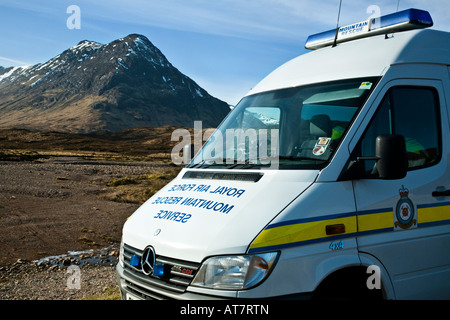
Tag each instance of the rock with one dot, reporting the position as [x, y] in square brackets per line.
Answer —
[43, 264]
[21, 261]
[66, 262]
[114, 253]
[53, 268]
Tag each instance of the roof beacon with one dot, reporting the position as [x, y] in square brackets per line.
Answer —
[400, 21]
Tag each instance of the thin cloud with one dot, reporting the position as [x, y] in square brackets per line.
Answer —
[276, 20]
[14, 61]
[231, 18]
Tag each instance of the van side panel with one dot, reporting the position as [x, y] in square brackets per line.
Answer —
[308, 253]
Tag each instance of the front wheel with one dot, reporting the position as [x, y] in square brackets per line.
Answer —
[347, 284]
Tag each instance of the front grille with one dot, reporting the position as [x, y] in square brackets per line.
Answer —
[178, 274]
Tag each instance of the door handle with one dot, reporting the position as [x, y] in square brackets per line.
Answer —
[443, 193]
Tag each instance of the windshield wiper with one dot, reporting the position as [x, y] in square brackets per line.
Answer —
[214, 162]
[198, 164]
[229, 163]
[294, 158]
[246, 163]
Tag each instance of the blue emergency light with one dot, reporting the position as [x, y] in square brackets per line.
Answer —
[158, 269]
[135, 260]
[400, 21]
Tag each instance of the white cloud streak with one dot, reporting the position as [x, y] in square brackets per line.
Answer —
[14, 61]
[276, 20]
[285, 20]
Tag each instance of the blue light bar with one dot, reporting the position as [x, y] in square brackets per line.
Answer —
[395, 22]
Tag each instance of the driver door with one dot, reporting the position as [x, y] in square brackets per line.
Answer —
[405, 223]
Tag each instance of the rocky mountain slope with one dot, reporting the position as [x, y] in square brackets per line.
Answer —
[93, 87]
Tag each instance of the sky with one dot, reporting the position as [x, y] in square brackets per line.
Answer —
[226, 46]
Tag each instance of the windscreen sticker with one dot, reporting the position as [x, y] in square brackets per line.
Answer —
[318, 151]
[321, 146]
[366, 85]
[323, 142]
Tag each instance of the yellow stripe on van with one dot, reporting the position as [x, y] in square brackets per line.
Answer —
[432, 214]
[306, 231]
[375, 221]
[296, 233]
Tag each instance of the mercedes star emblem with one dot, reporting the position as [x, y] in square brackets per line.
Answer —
[148, 260]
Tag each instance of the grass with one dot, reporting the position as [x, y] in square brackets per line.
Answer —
[139, 188]
[138, 144]
[19, 155]
[145, 144]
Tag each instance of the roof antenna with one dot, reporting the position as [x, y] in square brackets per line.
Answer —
[386, 35]
[337, 24]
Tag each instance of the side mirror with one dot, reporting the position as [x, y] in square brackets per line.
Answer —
[392, 160]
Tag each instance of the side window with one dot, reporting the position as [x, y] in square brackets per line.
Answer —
[412, 112]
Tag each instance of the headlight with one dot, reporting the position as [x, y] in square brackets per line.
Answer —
[235, 272]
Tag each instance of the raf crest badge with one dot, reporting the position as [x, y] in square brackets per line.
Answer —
[404, 214]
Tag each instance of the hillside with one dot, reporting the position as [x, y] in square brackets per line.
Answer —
[145, 143]
[92, 87]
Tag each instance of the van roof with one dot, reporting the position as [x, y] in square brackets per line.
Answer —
[360, 58]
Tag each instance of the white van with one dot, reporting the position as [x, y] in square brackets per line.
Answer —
[330, 179]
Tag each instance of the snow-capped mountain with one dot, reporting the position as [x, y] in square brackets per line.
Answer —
[93, 87]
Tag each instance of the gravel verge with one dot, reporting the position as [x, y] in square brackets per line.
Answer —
[85, 275]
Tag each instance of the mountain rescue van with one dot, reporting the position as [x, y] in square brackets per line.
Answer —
[330, 179]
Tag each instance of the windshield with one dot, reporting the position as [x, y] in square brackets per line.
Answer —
[293, 128]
